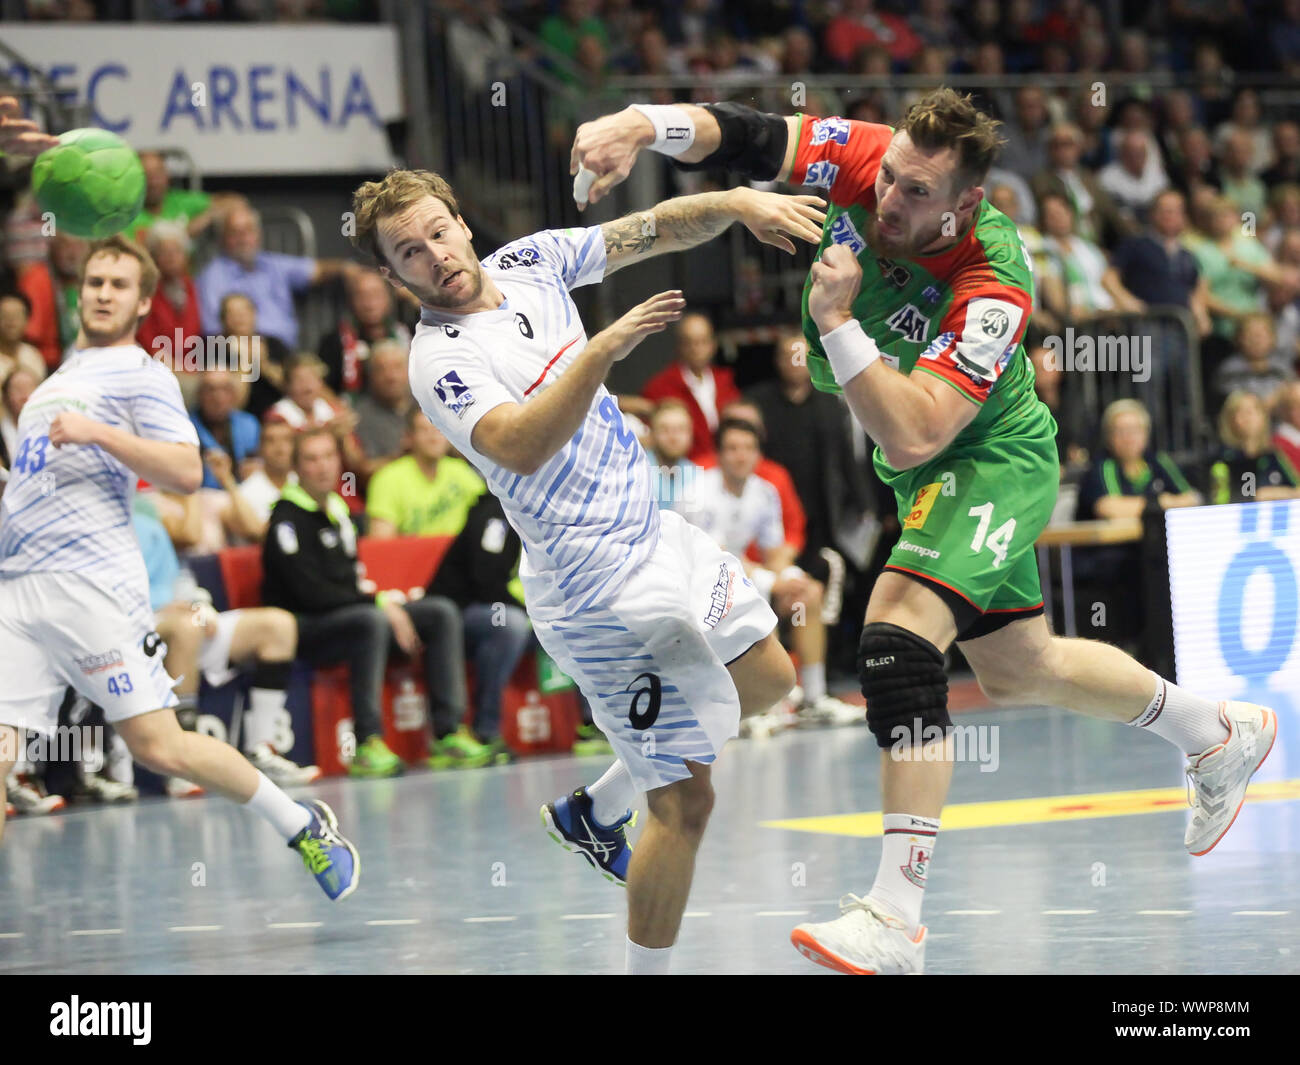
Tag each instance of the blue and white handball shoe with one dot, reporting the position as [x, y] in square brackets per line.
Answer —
[330, 858]
[570, 821]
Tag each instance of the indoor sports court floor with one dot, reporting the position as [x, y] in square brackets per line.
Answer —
[1066, 859]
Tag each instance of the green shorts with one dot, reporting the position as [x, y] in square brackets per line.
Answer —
[969, 520]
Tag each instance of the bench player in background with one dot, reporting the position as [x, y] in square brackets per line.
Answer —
[74, 593]
[916, 311]
[621, 595]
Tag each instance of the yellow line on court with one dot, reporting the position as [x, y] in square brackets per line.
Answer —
[1038, 810]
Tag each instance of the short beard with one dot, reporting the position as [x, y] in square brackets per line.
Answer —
[107, 336]
[886, 250]
[435, 298]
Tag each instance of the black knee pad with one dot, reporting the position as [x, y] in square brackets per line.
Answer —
[903, 681]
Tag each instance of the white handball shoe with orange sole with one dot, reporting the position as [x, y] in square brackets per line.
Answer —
[865, 940]
[1218, 777]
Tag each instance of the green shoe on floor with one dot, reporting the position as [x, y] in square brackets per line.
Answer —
[460, 750]
[375, 759]
[501, 754]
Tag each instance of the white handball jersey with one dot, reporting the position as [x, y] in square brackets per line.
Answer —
[735, 522]
[68, 509]
[587, 518]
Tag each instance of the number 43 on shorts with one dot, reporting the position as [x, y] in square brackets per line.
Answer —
[999, 541]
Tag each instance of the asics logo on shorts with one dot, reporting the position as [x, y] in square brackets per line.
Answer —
[653, 690]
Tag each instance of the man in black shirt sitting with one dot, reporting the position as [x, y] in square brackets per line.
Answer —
[309, 567]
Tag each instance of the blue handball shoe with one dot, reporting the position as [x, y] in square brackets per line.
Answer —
[570, 822]
[330, 858]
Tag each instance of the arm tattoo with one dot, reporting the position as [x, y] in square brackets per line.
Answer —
[633, 234]
[673, 225]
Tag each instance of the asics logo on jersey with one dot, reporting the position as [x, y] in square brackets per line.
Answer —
[821, 175]
[454, 393]
[830, 129]
[843, 231]
[653, 691]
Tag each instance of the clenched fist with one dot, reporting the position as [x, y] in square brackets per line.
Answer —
[836, 281]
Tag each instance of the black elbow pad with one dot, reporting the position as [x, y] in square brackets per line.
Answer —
[753, 142]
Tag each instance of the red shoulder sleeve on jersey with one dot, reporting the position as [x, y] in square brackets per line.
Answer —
[977, 337]
[839, 156]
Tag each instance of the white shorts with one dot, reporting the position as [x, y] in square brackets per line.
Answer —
[652, 662]
[214, 655]
[66, 629]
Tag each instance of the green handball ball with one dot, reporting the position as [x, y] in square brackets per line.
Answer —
[92, 183]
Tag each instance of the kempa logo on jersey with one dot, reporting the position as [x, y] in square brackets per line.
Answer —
[721, 598]
[917, 549]
[843, 231]
[134, 1019]
[830, 129]
[94, 663]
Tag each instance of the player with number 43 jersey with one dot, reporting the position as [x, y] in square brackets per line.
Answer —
[659, 627]
[74, 592]
[915, 310]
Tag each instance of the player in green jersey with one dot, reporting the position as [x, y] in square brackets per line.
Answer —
[915, 311]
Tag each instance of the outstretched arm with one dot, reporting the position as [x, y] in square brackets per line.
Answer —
[686, 221]
[608, 147]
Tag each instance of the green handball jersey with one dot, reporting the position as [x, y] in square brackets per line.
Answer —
[970, 515]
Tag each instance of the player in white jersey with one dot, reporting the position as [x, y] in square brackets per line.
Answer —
[660, 628]
[74, 593]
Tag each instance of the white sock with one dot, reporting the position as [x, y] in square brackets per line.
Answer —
[904, 862]
[647, 961]
[812, 679]
[264, 705]
[1190, 723]
[286, 816]
[612, 795]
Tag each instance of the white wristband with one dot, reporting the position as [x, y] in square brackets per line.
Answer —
[849, 350]
[674, 127]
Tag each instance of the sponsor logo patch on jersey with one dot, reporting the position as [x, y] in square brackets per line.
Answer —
[830, 129]
[526, 256]
[454, 393]
[721, 598]
[821, 175]
[931, 294]
[910, 322]
[990, 329]
[843, 231]
[287, 536]
[921, 507]
[95, 663]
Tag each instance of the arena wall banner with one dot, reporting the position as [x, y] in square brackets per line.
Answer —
[1234, 576]
[240, 99]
